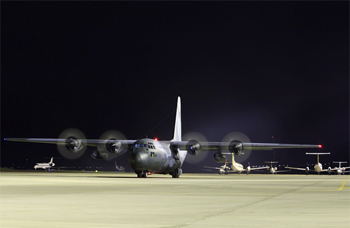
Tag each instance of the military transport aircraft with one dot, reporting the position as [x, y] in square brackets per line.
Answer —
[148, 156]
[45, 165]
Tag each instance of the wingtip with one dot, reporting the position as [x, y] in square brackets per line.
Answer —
[4, 139]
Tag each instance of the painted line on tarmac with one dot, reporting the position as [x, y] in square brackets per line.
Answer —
[342, 186]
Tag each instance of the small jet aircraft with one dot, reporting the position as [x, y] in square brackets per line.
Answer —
[45, 166]
[273, 170]
[147, 155]
[235, 167]
[317, 168]
[341, 170]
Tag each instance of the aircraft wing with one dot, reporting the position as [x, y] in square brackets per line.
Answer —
[259, 168]
[211, 167]
[87, 142]
[212, 146]
[206, 146]
[296, 168]
[282, 171]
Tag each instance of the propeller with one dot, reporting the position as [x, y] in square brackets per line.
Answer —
[73, 147]
[111, 144]
[195, 136]
[235, 139]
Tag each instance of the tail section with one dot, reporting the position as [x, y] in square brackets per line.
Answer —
[318, 155]
[177, 129]
[51, 161]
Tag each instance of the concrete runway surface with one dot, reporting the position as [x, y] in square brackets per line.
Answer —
[108, 199]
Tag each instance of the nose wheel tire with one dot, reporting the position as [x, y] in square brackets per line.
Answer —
[141, 174]
[144, 175]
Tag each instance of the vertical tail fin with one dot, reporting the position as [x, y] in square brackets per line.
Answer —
[51, 161]
[177, 128]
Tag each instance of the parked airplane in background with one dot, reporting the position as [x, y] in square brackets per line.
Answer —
[273, 170]
[341, 170]
[224, 169]
[148, 156]
[235, 167]
[119, 168]
[45, 165]
[317, 168]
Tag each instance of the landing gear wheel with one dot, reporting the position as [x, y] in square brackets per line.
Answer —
[139, 174]
[177, 173]
[144, 175]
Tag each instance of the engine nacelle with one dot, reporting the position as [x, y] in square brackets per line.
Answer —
[219, 157]
[99, 155]
[113, 146]
[236, 147]
[73, 144]
[193, 147]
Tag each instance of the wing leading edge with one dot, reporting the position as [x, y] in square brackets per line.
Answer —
[209, 146]
[59, 141]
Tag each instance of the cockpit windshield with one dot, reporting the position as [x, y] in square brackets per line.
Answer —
[141, 145]
[151, 146]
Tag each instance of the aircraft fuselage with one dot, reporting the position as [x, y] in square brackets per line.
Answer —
[151, 156]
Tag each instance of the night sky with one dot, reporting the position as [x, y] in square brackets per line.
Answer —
[265, 69]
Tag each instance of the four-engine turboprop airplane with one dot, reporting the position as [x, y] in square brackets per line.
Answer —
[45, 165]
[152, 156]
[317, 168]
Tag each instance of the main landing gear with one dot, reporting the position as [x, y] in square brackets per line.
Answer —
[176, 173]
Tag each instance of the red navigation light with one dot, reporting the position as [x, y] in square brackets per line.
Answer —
[319, 146]
[156, 139]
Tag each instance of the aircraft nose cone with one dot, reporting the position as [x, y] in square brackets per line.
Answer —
[138, 158]
[140, 161]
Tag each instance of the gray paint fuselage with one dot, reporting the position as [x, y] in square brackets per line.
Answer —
[152, 156]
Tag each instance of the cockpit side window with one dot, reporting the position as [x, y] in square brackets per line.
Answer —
[151, 146]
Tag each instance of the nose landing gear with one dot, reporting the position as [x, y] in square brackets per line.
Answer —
[141, 174]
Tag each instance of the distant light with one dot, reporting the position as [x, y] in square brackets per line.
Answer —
[4, 139]
[319, 146]
[156, 139]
